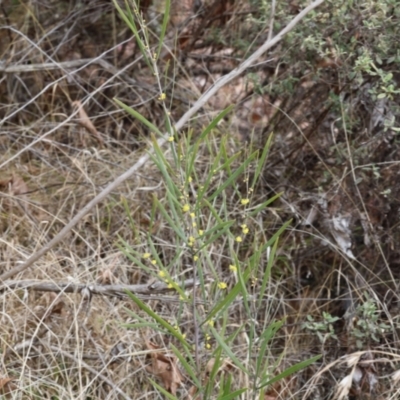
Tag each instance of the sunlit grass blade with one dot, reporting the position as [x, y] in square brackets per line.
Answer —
[164, 25]
[129, 215]
[164, 166]
[261, 161]
[232, 178]
[276, 235]
[226, 384]
[228, 160]
[129, 20]
[217, 363]
[207, 181]
[242, 282]
[264, 339]
[233, 395]
[228, 350]
[173, 224]
[213, 211]
[267, 272]
[290, 371]
[157, 318]
[229, 298]
[223, 228]
[214, 122]
[126, 16]
[133, 255]
[264, 205]
[167, 394]
[138, 116]
[256, 255]
[143, 325]
[188, 368]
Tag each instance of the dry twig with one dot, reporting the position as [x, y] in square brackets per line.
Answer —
[144, 291]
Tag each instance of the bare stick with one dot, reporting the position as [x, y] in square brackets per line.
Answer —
[146, 291]
[142, 160]
[12, 69]
[66, 65]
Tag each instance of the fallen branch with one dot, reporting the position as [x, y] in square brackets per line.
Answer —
[145, 291]
[179, 125]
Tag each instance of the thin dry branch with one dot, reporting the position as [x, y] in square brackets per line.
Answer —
[66, 66]
[144, 291]
[185, 118]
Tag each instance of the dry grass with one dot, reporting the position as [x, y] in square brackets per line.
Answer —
[52, 342]
[87, 255]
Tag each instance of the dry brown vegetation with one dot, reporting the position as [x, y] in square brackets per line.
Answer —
[334, 158]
